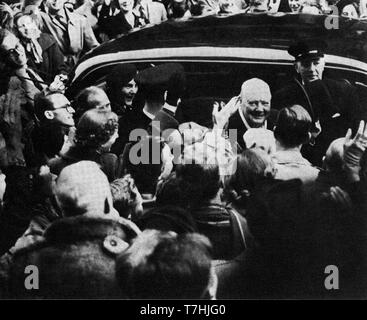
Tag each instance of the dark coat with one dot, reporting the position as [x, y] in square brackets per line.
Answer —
[116, 25]
[45, 143]
[226, 229]
[300, 231]
[53, 59]
[134, 119]
[334, 103]
[76, 259]
[23, 200]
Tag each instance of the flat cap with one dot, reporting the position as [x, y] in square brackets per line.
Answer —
[307, 50]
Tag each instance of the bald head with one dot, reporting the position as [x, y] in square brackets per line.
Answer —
[333, 160]
[255, 101]
[254, 84]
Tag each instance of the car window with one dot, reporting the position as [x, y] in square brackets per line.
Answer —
[222, 79]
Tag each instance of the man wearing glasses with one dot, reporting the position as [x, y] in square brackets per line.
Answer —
[54, 119]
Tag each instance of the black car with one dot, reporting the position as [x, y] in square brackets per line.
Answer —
[220, 52]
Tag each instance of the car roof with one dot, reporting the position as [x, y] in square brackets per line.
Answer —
[251, 38]
[262, 30]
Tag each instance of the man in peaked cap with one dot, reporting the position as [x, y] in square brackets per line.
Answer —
[333, 104]
[309, 59]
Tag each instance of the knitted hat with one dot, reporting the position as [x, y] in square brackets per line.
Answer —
[82, 188]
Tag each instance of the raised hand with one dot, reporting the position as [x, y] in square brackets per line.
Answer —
[354, 149]
[222, 112]
[58, 84]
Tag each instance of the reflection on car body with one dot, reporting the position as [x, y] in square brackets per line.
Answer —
[219, 53]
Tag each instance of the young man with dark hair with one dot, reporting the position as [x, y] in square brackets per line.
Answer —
[292, 131]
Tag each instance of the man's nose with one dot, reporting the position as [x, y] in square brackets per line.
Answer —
[312, 66]
[259, 105]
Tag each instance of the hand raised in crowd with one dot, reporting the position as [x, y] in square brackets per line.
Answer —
[192, 132]
[340, 197]
[58, 84]
[222, 112]
[354, 149]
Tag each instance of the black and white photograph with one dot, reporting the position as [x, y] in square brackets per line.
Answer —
[154, 151]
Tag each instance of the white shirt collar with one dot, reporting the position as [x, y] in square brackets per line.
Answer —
[170, 108]
[148, 114]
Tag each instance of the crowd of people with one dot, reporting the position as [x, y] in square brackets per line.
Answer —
[110, 194]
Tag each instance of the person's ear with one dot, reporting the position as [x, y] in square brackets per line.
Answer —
[49, 114]
[296, 66]
[309, 136]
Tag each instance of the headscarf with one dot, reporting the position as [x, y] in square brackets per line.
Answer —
[31, 45]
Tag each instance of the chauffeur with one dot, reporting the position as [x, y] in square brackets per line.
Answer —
[332, 104]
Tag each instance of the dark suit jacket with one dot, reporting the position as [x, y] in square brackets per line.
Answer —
[116, 25]
[53, 59]
[334, 103]
[135, 119]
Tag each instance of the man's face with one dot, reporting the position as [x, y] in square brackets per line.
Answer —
[227, 6]
[129, 91]
[310, 69]
[126, 5]
[259, 5]
[62, 111]
[55, 5]
[179, 5]
[100, 101]
[349, 11]
[295, 5]
[255, 105]
[15, 50]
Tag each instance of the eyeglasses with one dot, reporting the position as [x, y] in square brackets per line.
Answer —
[68, 108]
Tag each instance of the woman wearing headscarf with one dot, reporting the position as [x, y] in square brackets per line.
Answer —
[43, 54]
